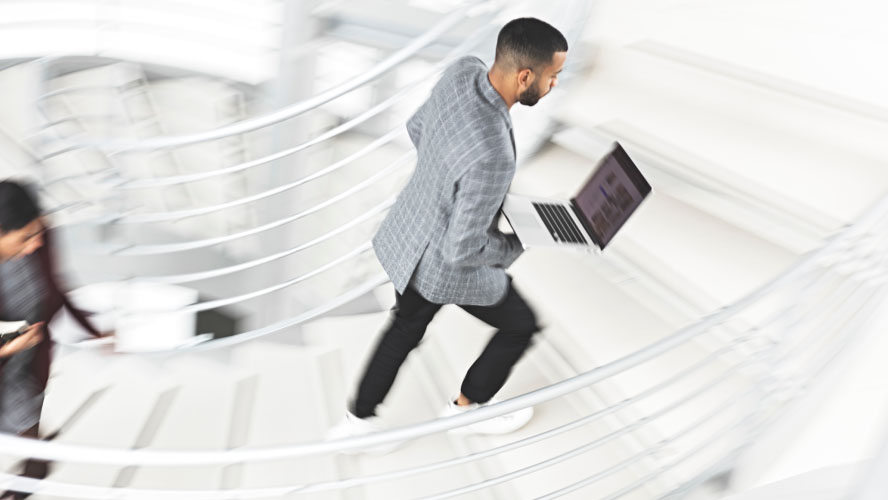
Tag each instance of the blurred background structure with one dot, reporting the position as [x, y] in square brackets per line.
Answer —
[216, 169]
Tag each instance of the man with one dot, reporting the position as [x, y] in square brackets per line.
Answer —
[440, 244]
[28, 291]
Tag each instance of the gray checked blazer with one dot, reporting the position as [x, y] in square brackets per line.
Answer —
[440, 237]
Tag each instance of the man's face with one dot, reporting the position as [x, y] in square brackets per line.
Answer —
[543, 82]
[20, 242]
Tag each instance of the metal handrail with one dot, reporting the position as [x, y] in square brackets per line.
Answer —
[335, 485]
[293, 110]
[830, 353]
[711, 357]
[223, 271]
[597, 443]
[166, 248]
[645, 479]
[240, 167]
[129, 184]
[376, 110]
[110, 456]
[193, 212]
[721, 433]
[347, 483]
[250, 335]
[214, 304]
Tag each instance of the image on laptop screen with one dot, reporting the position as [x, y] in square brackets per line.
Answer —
[613, 192]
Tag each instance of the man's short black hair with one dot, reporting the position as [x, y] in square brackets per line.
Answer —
[17, 207]
[528, 42]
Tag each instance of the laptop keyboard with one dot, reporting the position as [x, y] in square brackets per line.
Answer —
[559, 223]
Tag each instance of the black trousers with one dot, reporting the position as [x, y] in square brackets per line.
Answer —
[512, 317]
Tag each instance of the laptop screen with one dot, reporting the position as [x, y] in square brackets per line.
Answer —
[613, 192]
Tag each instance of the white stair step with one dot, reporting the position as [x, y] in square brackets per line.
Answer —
[588, 307]
[138, 392]
[289, 407]
[594, 322]
[681, 245]
[677, 172]
[409, 402]
[786, 144]
[557, 172]
[75, 384]
[355, 336]
[75, 377]
[698, 247]
[843, 408]
[204, 416]
[460, 338]
[826, 483]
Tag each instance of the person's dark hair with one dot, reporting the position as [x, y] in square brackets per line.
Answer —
[528, 42]
[17, 207]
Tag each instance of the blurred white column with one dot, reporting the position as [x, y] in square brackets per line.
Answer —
[295, 82]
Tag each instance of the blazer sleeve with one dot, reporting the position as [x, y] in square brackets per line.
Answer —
[414, 128]
[471, 238]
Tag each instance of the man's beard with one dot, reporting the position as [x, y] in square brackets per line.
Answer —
[530, 96]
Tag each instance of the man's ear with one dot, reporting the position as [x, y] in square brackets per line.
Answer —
[525, 78]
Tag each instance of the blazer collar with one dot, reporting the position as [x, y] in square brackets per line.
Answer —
[491, 95]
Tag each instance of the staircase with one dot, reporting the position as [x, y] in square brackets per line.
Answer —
[752, 169]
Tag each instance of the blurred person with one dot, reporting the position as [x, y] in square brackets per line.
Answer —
[440, 244]
[28, 291]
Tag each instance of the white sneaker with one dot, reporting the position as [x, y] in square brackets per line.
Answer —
[351, 426]
[504, 424]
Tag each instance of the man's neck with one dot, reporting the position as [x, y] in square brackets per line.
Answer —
[499, 84]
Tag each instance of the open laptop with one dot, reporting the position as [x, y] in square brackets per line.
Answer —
[589, 221]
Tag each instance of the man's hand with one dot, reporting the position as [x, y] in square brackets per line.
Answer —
[32, 336]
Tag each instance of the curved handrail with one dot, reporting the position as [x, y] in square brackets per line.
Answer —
[720, 433]
[293, 110]
[344, 127]
[223, 271]
[240, 167]
[375, 478]
[597, 415]
[166, 248]
[213, 304]
[110, 456]
[243, 337]
[641, 422]
[312, 488]
[193, 212]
